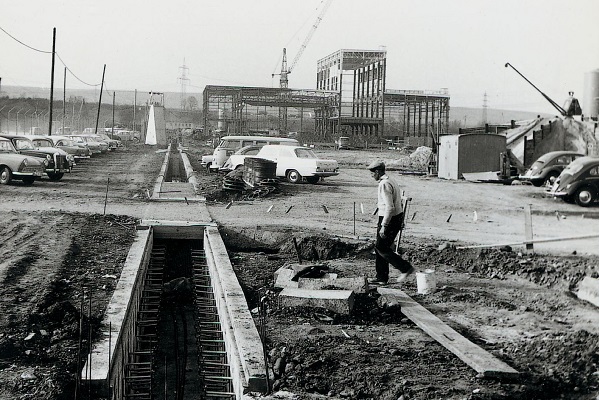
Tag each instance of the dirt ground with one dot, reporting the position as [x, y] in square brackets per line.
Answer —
[61, 254]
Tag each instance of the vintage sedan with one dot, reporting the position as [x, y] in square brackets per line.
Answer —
[113, 144]
[95, 146]
[78, 151]
[578, 182]
[548, 167]
[296, 163]
[17, 166]
[59, 161]
[236, 159]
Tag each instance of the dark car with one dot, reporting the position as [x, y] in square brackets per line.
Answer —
[58, 160]
[548, 167]
[578, 182]
[61, 142]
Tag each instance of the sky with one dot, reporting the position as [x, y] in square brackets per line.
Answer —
[461, 45]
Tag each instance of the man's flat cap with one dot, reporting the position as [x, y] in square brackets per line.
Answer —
[377, 164]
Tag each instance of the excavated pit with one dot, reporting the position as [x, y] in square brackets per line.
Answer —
[178, 325]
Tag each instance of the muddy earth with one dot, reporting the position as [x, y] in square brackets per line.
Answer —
[65, 242]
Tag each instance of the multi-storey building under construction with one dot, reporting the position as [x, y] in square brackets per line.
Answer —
[350, 99]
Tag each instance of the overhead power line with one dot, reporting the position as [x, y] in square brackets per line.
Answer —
[24, 44]
[48, 52]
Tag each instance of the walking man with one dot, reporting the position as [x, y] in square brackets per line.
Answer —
[391, 218]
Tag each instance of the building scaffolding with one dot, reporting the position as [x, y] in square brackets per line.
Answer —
[350, 100]
[251, 110]
[416, 116]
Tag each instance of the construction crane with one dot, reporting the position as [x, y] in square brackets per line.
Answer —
[284, 81]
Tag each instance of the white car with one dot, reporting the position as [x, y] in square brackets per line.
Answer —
[296, 163]
[237, 159]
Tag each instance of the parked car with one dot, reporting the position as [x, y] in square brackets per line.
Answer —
[127, 135]
[343, 143]
[578, 182]
[113, 144]
[43, 142]
[59, 161]
[548, 167]
[18, 166]
[95, 146]
[236, 160]
[230, 144]
[77, 150]
[296, 163]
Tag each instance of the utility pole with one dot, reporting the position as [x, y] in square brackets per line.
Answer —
[485, 109]
[134, 108]
[112, 131]
[183, 79]
[52, 79]
[64, 98]
[100, 100]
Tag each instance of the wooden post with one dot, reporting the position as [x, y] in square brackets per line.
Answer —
[528, 229]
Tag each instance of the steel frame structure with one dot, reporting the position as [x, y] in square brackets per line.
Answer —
[416, 116]
[359, 77]
[247, 110]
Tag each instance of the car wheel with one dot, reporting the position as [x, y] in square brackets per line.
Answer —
[208, 167]
[55, 176]
[293, 176]
[312, 179]
[28, 180]
[584, 196]
[5, 176]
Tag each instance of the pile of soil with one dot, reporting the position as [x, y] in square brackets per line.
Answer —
[54, 300]
[377, 353]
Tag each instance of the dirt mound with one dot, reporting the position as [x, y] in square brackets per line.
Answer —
[65, 280]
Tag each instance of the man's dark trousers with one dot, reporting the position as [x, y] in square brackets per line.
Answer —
[384, 254]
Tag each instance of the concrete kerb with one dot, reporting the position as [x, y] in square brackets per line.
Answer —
[117, 324]
[241, 336]
[161, 175]
[190, 174]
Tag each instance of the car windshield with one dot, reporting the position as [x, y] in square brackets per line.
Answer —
[24, 144]
[42, 143]
[304, 153]
[65, 142]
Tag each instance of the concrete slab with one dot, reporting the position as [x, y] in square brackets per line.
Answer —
[356, 285]
[283, 278]
[339, 301]
[589, 290]
[284, 275]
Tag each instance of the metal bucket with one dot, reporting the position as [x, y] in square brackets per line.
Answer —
[426, 281]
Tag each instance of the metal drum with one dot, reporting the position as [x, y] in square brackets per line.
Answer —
[259, 170]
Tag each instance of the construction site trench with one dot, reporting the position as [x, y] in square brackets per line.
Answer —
[66, 244]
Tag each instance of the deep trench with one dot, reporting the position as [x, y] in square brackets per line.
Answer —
[182, 353]
[176, 169]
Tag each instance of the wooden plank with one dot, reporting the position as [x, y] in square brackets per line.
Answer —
[474, 356]
[528, 229]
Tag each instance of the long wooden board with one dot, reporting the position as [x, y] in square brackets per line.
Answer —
[474, 356]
